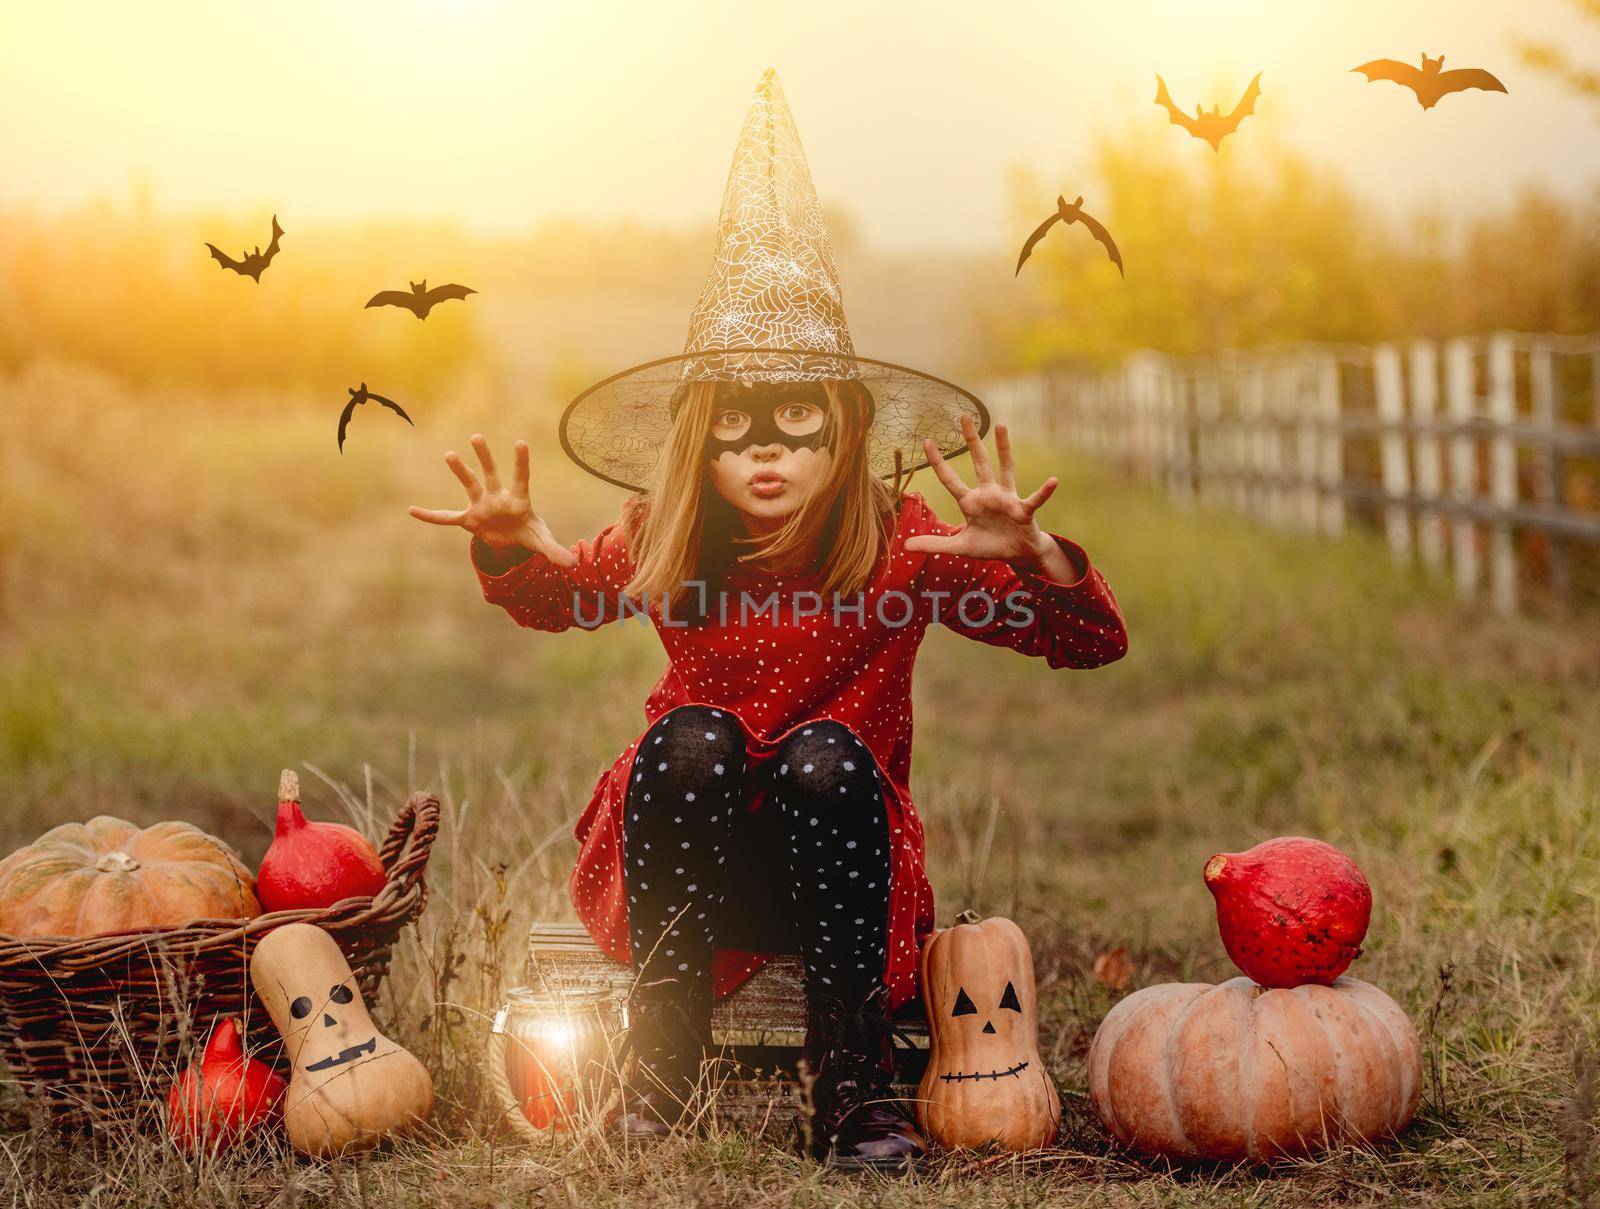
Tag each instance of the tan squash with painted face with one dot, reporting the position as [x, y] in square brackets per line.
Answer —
[985, 1080]
[351, 1087]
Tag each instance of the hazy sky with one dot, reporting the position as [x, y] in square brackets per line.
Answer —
[499, 113]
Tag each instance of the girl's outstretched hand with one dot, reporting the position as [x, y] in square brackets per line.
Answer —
[999, 523]
[499, 516]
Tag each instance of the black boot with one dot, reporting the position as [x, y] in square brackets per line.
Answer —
[669, 1031]
[856, 1120]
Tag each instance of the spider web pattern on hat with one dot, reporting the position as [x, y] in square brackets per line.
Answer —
[771, 311]
[620, 439]
[773, 284]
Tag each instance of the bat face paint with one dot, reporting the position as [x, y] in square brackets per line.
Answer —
[769, 447]
[790, 417]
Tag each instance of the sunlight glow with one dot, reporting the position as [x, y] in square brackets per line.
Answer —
[497, 115]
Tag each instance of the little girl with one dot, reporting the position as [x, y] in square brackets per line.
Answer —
[765, 809]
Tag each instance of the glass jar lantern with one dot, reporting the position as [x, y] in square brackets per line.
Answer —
[559, 1047]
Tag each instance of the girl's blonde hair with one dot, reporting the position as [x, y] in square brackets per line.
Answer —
[682, 532]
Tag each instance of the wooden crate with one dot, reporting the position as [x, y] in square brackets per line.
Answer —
[759, 1029]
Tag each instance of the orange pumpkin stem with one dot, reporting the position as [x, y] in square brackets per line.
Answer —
[117, 862]
[969, 916]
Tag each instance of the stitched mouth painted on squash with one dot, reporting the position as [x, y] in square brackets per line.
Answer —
[1013, 1073]
[346, 1055]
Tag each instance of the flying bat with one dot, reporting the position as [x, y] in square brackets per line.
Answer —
[1430, 81]
[254, 263]
[1213, 127]
[359, 396]
[1069, 215]
[421, 299]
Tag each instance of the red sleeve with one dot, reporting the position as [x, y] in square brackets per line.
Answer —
[1067, 624]
[543, 596]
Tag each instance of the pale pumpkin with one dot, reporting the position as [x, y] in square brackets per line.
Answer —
[104, 876]
[985, 1082]
[350, 1087]
[1231, 1072]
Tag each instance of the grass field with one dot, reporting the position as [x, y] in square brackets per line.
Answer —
[192, 598]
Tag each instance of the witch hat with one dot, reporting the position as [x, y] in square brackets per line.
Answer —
[771, 311]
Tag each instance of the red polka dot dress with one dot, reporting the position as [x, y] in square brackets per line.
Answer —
[775, 655]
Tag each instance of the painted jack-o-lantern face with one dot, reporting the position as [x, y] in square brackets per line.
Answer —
[985, 1080]
[339, 995]
[1008, 1014]
[351, 1086]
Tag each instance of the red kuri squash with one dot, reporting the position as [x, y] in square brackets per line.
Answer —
[314, 864]
[1291, 910]
[224, 1096]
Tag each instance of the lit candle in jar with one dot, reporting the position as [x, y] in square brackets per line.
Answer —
[558, 1053]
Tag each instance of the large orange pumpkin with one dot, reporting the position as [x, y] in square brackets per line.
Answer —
[986, 1080]
[87, 879]
[1236, 1071]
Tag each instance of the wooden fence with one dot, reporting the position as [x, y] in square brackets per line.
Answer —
[1480, 454]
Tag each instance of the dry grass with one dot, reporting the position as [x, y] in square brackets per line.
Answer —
[187, 606]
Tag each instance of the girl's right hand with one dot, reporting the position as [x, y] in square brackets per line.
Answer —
[499, 517]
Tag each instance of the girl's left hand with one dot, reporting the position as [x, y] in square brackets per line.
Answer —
[1000, 523]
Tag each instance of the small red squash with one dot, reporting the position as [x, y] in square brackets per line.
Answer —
[1191, 1071]
[314, 864]
[224, 1097]
[1291, 911]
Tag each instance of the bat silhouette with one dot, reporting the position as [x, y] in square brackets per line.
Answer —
[358, 396]
[1430, 81]
[1213, 127]
[254, 263]
[1069, 215]
[421, 299]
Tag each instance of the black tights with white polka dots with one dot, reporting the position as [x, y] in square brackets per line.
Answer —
[808, 873]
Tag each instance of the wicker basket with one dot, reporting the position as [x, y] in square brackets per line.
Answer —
[92, 1028]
